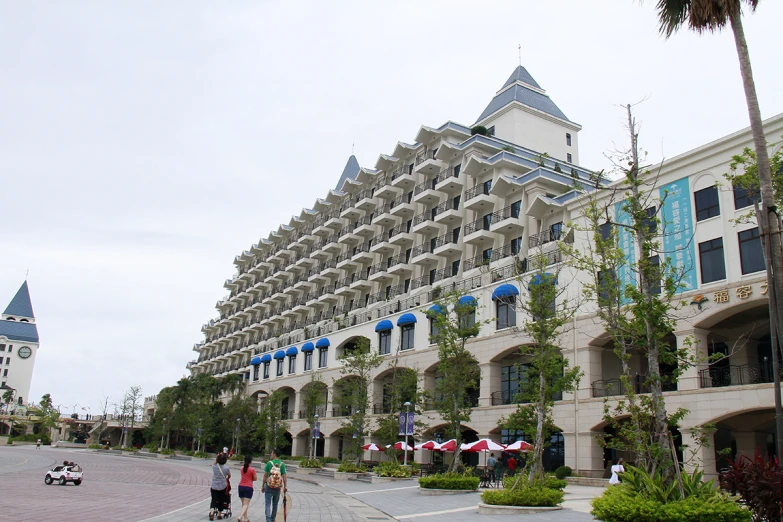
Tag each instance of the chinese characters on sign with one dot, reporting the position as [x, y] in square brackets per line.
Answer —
[742, 292]
[677, 230]
[625, 273]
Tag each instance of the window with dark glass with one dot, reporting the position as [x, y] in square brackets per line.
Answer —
[487, 186]
[457, 169]
[308, 361]
[433, 243]
[433, 328]
[266, 370]
[322, 356]
[707, 204]
[410, 168]
[516, 246]
[569, 159]
[486, 221]
[407, 285]
[291, 364]
[433, 273]
[384, 342]
[511, 436]
[455, 235]
[491, 131]
[606, 279]
[650, 221]
[512, 381]
[407, 336]
[256, 368]
[605, 231]
[556, 230]
[713, 265]
[433, 212]
[751, 253]
[408, 255]
[745, 197]
[433, 182]
[455, 267]
[388, 291]
[410, 196]
[486, 255]
[455, 202]
[279, 367]
[506, 315]
[568, 139]
[655, 285]
[515, 208]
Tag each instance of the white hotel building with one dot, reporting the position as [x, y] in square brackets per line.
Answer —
[455, 211]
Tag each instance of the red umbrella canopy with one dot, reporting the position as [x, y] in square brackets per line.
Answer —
[520, 445]
[484, 445]
[400, 446]
[372, 447]
[450, 445]
[429, 445]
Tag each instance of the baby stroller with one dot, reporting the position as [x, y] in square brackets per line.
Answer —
[227, 501]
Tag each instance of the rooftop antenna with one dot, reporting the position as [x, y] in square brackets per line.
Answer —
[520, 54]
[352, 145]
[27, 273]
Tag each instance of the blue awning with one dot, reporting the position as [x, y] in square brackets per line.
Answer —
[506, 290]
[467, 300]
[406, 319]
[266, 358]
[384, 325]
[322, 343]
[280, 354]
[308, 347]
[543, 278]
[255, 361]
[292, 351]
[436, 309]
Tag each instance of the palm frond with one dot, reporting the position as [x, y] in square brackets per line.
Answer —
[699, 15]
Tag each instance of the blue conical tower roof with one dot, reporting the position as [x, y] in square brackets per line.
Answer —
[21, 305]
[350, 171]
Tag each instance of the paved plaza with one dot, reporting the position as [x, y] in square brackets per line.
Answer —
[135, 489]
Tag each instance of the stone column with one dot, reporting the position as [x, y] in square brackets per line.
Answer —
[298, 446]
[689, 380]
[589, 360]
[701, 457]
[490, 382]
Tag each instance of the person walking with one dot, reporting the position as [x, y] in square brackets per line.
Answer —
[38, 444]
[617, 470]
[247, 477]
[274, 481]
[512, 465]
[220, 476]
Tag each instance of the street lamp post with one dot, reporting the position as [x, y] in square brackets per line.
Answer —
[316, 425]
[407, 412]
[236, 446]
[163, 435]
[199, 435]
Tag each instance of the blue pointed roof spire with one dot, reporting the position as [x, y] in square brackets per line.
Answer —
[21, 305]
[350, 171]
[520, 74]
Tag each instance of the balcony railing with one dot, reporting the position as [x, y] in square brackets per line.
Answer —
[399, 200]
[715, 377]
[554, 233]
[476, 191]
[614, 387]
[366, 220]
[424, 248]
[424, 216]
[479, 224]
[446, 205]
[445, 239]
[423, 156]
[446, 174]
[380, 409]
[511, 211]
[477, 261]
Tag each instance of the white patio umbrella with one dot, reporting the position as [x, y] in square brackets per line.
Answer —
[520, 446]
[372, 447]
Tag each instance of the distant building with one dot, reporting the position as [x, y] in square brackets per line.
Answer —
[18, 346]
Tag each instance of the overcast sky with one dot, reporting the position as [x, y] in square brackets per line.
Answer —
[144, 144]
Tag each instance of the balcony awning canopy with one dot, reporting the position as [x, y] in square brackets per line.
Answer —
[467, 300]
[255, 361]
[322, 343]
[292, 351]
[266, 358]
[384, 326]
[545, 278]
[406, 319]
[507, 290]
[308, 347]
[280, 354]
[436, 309]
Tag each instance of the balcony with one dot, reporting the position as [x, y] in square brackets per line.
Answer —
[426, 163]
[362, 254]
[349, 211]
[399, 265]
[366, 201]
[334, 221]
[507, 220]
[344, 259]
[425, 193]
[719, 377]
[401, 236]
[479, 199]
[377, 272]
[359, 281]
[614, 387]
[402, 207]
[327, 294]
[477, 262]
[404, 178]
[380, 244]
[478, 233]
[423, 255]
[346, 236]
[384, 189]
[341, 286]
[424, 223]
[449, 181]
[432, 277]
[331, 245]
[553, 233]
[364, 228]
[383, 215]
[329, 268]
[448, 213]
[446, 245]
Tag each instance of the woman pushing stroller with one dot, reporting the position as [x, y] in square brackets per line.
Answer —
[219, 487]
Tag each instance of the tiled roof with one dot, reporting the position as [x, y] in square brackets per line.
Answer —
[21, 305]
[19, 331]
[520, 74]
[525, 96]
[349, 172]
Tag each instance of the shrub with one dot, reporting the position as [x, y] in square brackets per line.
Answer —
[201, 455]
[310, 463]
[392, 468]
[31, 437]
[563, 472]
[351, 467]
[449, 481]
[623, 504]
[479, 129]
[549, 482]
[236, 456]
[167, 451]
[759, 484]
[94, 446]
[534, 496]
[329, 460]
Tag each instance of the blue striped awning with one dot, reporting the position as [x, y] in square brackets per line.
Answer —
[467, 300]
[255, 361]
[506, 290]
[308, 347]
[322, 343]
[280, 354]
[406, 319]
[266, 358]
[292, 351]
[384, 325]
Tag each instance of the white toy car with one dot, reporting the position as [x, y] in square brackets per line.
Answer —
[66, 473]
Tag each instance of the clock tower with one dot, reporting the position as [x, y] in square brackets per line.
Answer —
[18, 348]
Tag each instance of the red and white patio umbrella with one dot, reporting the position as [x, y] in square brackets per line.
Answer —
[400, 446]
[483, 445]
[429, 445]
[520, 446]
[371, 447]
[449, 445]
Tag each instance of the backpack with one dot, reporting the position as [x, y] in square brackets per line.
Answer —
[275, 479]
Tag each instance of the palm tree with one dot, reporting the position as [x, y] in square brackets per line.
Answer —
[8, 398]
[710, 16]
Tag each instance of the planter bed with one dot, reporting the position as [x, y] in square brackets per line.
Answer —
[431, 492]
[489, 509]
[375, 479]
[307, 471]
[344, 475]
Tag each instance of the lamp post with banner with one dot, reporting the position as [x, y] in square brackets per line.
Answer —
[316, 434]
[236, 444]
[406, 428]
[163, 435]
[199, 435]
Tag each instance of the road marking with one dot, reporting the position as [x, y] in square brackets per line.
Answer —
[433, 513]
[171, 512]
[380, 490]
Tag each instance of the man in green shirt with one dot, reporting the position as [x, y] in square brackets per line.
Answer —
[274, 481]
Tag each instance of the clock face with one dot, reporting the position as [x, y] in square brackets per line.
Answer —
[24, 352]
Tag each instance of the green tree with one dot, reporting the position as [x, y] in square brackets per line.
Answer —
[454, 325]
[271, 426]
[313, 402]
[49, 417]
[404, 387]
[745, 174]
[8, 398]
